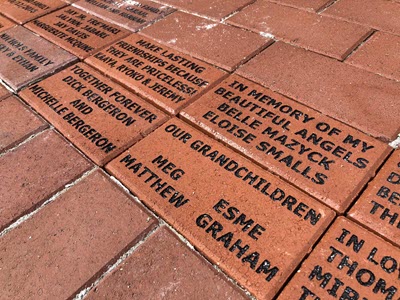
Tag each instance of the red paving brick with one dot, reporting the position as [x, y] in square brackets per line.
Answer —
[214, 9]
[3, 92]
[77, 31]
[34, 171]
[17, 123]
[66, 244]
[321, 34]
[22, 11]
[219, 44]
[343, 92]
[26, 57]
[5, 23]
[174, 176]
[348, 263]
[312, 5]
[379, 55]
[155, 271]
[132, 15]
[329, 160]
[168, 78]
[379, 206]
[100, 117]
[378, 14]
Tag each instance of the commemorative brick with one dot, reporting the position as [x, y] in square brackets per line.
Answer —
[329, 160]
[96, 114]
[349, 263]
[168, 78]
[26, 57]
[77, 31]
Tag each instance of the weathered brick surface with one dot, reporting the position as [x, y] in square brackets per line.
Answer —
[71, 241]
[356, 97]
[34, 171]
[219, 44]
[17, 123]
[164, 268]
[329, 36]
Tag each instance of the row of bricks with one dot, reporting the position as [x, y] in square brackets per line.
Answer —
[320, 33]
[46, 163]
[326, 88]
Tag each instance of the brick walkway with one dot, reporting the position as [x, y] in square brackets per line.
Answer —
[212, 149]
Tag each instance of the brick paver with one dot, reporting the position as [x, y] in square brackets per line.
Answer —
[164, 268]
[327, 159]
[22, 11]
[17, 123]
[68, 243]
[343, 92]
[218, 44]
[26, 57]
[348, 263]
[34, 171]
[132, 15]
[321, 34]
[100, 117]
[379, 55]
[312, 5]
[379, 14]
[379, 205]
[168, 78]
[76, 31]
[246, 221]
[214, 9]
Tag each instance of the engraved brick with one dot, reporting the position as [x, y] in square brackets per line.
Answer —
[379, 14]
[168, 78]
[132, 15]
[349, 263]
[240, 216]
[34, 171]
[77, 31]
[26, 57]
[343, 92]
[327, 159]
[22, 11]
[70, 242]
[219, 44]
[5, 23]
[215, 9]
[379, 206]
[100, 117]
[163, 267]
[379, 55]
[308, 30]
[17, 123]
